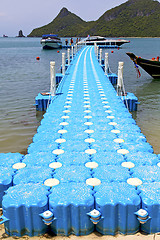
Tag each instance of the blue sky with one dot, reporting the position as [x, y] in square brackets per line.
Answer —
[23, 15]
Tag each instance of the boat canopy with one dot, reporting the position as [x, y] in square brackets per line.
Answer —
[94, 38]
[49, 35]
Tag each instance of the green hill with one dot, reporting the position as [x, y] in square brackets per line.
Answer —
[65, 24]
[134, 18]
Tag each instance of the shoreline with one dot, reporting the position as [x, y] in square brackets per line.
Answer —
[92, 236]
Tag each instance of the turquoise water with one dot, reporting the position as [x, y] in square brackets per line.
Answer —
[22, 77]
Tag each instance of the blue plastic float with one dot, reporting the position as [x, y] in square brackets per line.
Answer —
[7, 160]
[89, 166]
[71, 203]
[117, 204]
[22, 206]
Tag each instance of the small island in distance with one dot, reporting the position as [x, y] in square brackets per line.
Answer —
[20, 34]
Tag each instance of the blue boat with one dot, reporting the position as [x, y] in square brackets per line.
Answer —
[51, 41]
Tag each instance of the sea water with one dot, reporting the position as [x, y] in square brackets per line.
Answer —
[22, 77]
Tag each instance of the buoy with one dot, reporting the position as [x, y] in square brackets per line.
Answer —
[118, 48]
[112, 51]
[57, 51]
[37, 58]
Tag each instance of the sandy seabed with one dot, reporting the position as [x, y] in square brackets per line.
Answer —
[94, 236]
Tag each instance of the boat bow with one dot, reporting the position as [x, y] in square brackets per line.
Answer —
[152, 67]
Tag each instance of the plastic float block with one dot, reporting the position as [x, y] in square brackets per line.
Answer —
[143, 158]
[76, 158]
[22, 206]
[72, 174]
[74, 146]
[147, 173]
[117, 203]
[42, 147]
[112, 77]
[42, 101]
[70, 203]
[39, 159]
[130, 101]
[150, 195]
[32, 174]
[108, 158]
[138, 147]
[8, 159]
[111, 174]
[6, 174]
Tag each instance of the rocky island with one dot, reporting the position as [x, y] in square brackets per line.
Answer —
[20, 34]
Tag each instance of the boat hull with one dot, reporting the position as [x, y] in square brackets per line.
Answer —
[110, 43]
[152, 67]
[51, 45]
[102, 41]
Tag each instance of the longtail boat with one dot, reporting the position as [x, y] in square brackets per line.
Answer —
[152, 67]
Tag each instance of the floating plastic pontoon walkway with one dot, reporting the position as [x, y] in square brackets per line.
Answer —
[89, 167]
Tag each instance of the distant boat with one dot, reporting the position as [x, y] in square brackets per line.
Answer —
[5, 36]
[90, 40]
[51, 41]
[152, 67]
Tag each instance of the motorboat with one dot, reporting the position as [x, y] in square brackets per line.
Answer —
[51, 41]
[152, 66]
[102, 41]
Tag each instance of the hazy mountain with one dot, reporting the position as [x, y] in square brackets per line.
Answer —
[135, 18]
[65, 24]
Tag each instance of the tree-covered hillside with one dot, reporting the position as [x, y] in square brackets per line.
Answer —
[134, 18]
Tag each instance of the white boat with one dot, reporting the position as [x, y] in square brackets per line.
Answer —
[51, 41]
[102, 41]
